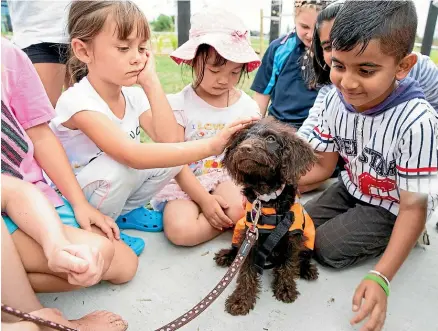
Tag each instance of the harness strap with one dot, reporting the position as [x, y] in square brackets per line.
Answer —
[269, 219]
[264, 250]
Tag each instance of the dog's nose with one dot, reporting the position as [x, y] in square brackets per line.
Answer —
[246, 147]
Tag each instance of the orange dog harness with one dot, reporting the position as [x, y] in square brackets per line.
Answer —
[302, 223]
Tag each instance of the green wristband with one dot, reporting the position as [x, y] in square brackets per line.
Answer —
[379, 281]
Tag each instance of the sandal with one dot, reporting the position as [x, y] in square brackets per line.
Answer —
[141, 219]
[136, 244]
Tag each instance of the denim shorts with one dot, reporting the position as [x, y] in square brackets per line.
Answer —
[65, 213]
[47, 53]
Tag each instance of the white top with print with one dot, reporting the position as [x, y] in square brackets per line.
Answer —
[202, 120]
[82, 96]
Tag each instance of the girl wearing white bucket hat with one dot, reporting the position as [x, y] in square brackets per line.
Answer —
[202, 201]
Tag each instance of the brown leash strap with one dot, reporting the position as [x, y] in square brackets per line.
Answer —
[34, 319]
[251, 238]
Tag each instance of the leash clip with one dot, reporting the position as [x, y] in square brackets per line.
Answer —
[255, 216]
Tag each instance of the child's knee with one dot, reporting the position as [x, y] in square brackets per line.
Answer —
[328, 254]
[178, 234]
[235, 212]
[128, 264]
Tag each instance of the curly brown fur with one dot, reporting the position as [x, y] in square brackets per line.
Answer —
[284, 285]
[308, 271]
[261, 158]
[244, 297]
[226, 256]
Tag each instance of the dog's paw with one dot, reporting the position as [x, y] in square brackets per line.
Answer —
[286, 292]
[310, 272]
[238, 305]
[225, 257]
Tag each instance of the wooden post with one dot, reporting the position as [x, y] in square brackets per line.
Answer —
[183, 21]
[262, 34]
[430, 28]
[276, 8]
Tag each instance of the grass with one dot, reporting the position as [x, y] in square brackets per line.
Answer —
[173, 78]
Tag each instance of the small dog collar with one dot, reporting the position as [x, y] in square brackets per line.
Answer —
[271, 196]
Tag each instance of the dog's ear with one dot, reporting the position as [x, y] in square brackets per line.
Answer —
[298, 158]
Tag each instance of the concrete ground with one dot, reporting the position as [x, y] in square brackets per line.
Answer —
[171, 280]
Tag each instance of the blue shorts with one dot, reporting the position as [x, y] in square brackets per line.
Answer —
[65, 213]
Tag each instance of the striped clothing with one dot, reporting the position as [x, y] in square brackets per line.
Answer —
[14, 144]
[25, 104]
[425, 72]
[394, 150]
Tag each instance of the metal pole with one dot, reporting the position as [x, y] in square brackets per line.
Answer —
[430, 28]
[183, 21]
[276, 7]
[262, 36]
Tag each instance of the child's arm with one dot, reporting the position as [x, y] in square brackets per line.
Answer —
[212, 206]
[262, 101]
[408, 227]
[114, 142]
[159, 123]
[322, 170]
[51, 156]
[417, 176]
[27, 206]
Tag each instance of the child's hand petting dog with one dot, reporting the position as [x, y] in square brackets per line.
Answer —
[374, 307]
[221, 140]
[213, 209]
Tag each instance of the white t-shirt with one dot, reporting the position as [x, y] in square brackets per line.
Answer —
[35, 22]
[394, 150]
[202, 120]
[82, 96]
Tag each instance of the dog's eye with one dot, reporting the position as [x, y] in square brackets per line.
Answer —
[271, 139]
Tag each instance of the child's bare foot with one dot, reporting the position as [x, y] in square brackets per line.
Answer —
[96, 321]
[100, 320]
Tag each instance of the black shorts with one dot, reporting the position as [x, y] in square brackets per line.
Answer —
[47, 53]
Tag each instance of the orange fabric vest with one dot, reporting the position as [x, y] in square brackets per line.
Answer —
[302, 224]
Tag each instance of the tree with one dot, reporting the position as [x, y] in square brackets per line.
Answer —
[163, 23]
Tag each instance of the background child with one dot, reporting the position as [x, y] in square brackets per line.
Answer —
[280, 78]
[380, 123]
[40, 31]
[424, 71]
[220, 54]
[28, 147]
[83, 264]
[99, 118]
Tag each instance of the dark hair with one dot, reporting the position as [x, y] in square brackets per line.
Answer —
[203, 53]
[393, 23]
[317, 72]
[87, 18]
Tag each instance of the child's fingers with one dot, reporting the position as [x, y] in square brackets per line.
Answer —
[374, 320]
[115, 229]
[76, 258]
[357, 297]
[364, 311]
[214, 223]
[221, 201]
[103, 225]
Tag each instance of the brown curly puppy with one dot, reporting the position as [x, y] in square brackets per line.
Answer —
[267, 159]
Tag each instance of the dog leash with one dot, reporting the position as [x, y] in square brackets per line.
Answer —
[35, 319]
[250, 239]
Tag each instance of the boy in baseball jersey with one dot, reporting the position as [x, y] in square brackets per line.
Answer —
[385, 130]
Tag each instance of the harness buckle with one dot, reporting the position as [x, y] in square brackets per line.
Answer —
[255, 216]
